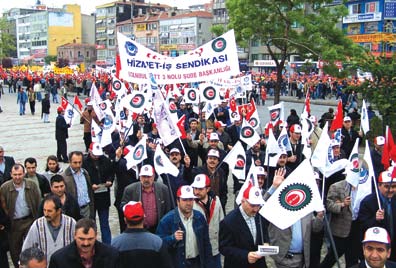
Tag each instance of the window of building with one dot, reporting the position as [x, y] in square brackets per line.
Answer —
[87, 54]
[255, 42]
[120, 9]
[371, 27]
[199, 26]
[371, 7]
[355, 9]
[367, 46]
[255, 57]
[388, 26]
[111, 42]
[71, 54]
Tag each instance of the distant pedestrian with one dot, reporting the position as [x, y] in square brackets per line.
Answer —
[32, 100]
[61, 134]
[21, 100]
[45, 108]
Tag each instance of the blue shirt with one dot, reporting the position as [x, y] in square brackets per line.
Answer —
[82, 188]
[296, 245]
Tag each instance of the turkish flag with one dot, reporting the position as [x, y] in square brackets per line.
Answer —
[339, 118]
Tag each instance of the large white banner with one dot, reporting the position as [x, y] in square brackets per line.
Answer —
[217, 58]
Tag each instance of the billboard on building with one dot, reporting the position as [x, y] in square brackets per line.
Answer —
[60, 19]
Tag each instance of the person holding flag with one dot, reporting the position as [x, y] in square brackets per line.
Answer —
[379, 208]
[61, 134]
[86, 118]
[242, 231]
[376, 155]
[349, 136]
[295, 155]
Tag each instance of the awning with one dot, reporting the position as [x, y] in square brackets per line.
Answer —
[173, 27]
[99, 21]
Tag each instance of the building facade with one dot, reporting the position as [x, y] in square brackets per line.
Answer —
[77, 54]
[372, 24]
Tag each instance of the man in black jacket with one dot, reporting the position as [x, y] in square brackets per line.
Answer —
[85, 251]
[31, 173]
[136, 245]
[61, 134]
[101, 172]
[6, 163]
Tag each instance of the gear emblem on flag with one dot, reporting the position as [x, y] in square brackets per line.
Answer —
[247, 132]
[219, 44]
[295, 196]
[240, 162]
[131, 49]
[209, 93]
[158, 161]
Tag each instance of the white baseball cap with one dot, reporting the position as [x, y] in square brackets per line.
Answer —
[146, 170]
[213, 137]
[96, 149]
[174, 150]
[334, 142]
[380, 140]
[376, 234]
[201, 181]
[252, 194]
[295, 128]
[347, 118]
[185, 192]
[214, 153]
[260, 170]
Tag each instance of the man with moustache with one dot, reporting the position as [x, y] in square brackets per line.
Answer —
[85, 251]
[53, 231]
[185, 232]
[20, 199]
[153, 195]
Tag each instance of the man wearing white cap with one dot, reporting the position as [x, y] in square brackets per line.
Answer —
[209, 205]
[101, 171]
[185, 232]
[242, 231]
[376, 249]
[154, 196]
[369, 213]
[295, 156]
[217, 176]
[349, 136]
[376, 155]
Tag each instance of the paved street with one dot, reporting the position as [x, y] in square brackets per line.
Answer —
[27, 136]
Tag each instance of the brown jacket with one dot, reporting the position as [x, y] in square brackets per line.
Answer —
[9, 195]
[86, 119]
[341, 217]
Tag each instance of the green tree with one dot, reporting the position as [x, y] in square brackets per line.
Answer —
[48, 59]
[298, 27]
[7, 44]
[381, 91]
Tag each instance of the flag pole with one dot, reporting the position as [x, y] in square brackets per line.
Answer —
[170, 191]
[330, 235]
[376, 192]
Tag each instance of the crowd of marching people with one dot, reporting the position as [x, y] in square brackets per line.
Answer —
[171, 198]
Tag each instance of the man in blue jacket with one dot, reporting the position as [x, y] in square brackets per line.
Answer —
[185, 232]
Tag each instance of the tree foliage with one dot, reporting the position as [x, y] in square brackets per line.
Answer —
[298, 27]
[49, 58]
[381, 91]
[7, 44]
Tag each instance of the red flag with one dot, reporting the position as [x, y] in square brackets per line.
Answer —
[180, 125]
[338, 119]
[308, 103]
[118, 66]
[64, 103]
[78, 103]
[233, 106]
[250, 109]
[388, 146]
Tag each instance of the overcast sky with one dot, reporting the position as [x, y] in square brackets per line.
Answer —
[88, 6]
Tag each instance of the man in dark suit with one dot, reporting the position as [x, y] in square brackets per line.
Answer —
[242, 230]
[154, 196]
[376, 249]
[349, 136]
[370, 215]
[61, 134]
[6, 163]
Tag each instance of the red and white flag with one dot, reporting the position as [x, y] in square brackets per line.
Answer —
[236, 160]
[248, 135]
[137, 154]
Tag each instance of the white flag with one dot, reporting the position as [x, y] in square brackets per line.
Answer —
[166, 128]
[163, 165]
[96, 132]
[295, 198]
[320, 158]
[364, 120]
[366, 179]
[306, 131]
[136, 102]
[209, 93]
[236, 160]
[251, 179]
[272, 151]
[276, 113]
[284, 141]
[138, 153]
[191, 95]
[352, 170]
[248, 134]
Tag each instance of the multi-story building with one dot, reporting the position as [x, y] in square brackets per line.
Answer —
[146, 30]
[40, 30]
[372, 24]
[184, 32]
[78, 53]
[107, 17]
